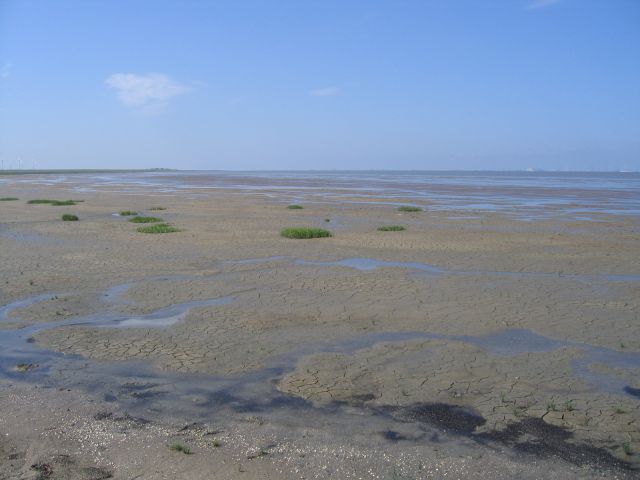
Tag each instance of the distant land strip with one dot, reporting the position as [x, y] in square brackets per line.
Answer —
[72, 171]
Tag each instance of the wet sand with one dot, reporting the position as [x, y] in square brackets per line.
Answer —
[461, 347]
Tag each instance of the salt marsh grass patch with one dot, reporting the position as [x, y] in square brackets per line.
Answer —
[179, 447]
[295, 207]
[391, 228]
[67, 217]
[56, 203]
[8, 199]
[408, 208]
[158, 228]
[145, 219]
[127, 213]
[305, 233]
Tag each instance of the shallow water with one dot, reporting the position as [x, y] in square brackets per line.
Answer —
[15, 345]
[139, 388]
[528, 196]
[367, 264]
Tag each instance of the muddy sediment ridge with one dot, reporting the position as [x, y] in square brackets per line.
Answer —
[146, 393]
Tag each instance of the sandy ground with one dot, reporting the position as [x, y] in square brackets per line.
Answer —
[511, 360]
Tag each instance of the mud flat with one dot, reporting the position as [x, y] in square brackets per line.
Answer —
[466, 345]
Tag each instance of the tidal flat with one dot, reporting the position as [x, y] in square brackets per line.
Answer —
[487, 340]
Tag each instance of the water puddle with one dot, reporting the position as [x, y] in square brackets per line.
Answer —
[373, 264]
[370, 264]
[367, 264]
[16, 345]
[6, 309]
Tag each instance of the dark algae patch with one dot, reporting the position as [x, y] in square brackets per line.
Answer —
[8, 199]
[295, 207]
[305, 233]
[450, 418]
[67, 217]
[406, 208]
[632, 391]
[127, 213]
[534, 436]
[530, 435]
[63, 466]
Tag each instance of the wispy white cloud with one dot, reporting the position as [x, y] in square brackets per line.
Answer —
[541, 3]
[325, 92]
[5, 71]
[150, 92]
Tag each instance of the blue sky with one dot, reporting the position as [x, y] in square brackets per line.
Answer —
[345, 84]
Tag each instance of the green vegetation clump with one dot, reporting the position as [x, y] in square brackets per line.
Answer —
[8, 199]
[155, 209]
[57, 203]
[406, 208]
[67, 217]
[145, 219]
[178, 447]
[158, 228]
[25, 367]
[391, 228]
[295, 207]
[305, 232]
[127, 213]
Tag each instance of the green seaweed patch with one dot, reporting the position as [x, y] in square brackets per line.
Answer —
[145, 219]
[127, 213]
[295, 207]
[391, 228]
[8, 199]
[156, 209]
[158, 228]
[39, 201]
[67, 217]
[305, 232]
[407, 208]
[25, 367]
[179, 447]
[56, 203]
